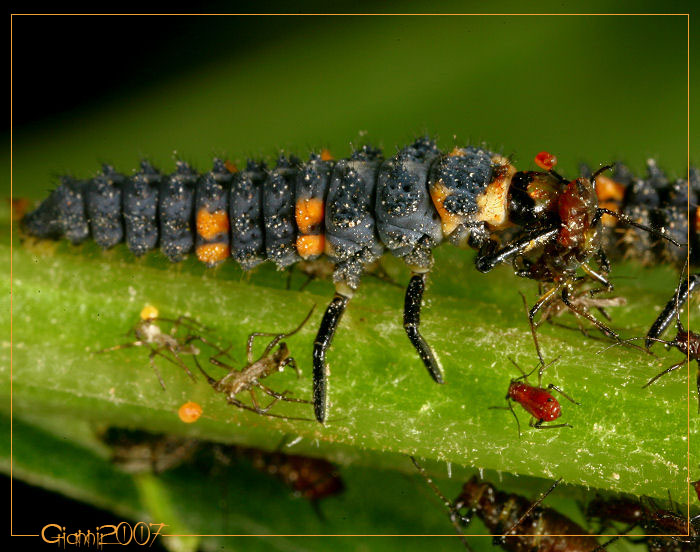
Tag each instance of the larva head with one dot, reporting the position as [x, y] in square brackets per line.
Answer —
[533, 198]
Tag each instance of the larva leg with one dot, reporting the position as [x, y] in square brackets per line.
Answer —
[324, 338]
[486, 263]
[411, 323]
[667, 315]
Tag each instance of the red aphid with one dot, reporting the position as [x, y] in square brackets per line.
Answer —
[536, 400]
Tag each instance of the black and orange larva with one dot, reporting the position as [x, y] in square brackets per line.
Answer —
[351, 210]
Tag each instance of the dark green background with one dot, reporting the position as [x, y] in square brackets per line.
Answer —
[589, 88]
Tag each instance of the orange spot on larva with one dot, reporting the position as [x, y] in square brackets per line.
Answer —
[310, 245]
[545, 160]
[212, 253]
[493, 202]
[326, 155]
[209, 225]
[610, 195]
[230, 166]
[309, 214]
[189, 412]
[149, 312]
[19, 206]
[439, 194]
[607, 189]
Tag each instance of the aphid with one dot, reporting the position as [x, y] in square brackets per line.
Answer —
[248, 378]
[140, 451]
[168, 345]
[682, 535]
[137, 451]
[521, 525]
[351, 210]
[537, 401]
[189, 412]
[562, 220]
[623, 510]
[311, 478]
[586, 298]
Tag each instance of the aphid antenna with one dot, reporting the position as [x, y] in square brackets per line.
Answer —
[533, 331]
[641, 349]
[600, 171]
[509, 407]
[454, 514]
[532, 506]
[539, 367]
[600, 211]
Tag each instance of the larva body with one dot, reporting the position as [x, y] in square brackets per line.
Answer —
[351, 210]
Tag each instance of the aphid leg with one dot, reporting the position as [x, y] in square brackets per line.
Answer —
[411, 323]
[219, 351]
[256, 404]
[552, 386]
[277, 337]
[289, 361]
[455, 517]
[211, 381]
[666, 371]
[541, 302]
[538, 425]
[243, 406]
[603, 261]
[532, 506]
[280, 396]
[597, 277]
[186, 322]
[324, 338]
[152, 360]
[488, 262]
[224, 352]
[176, 360]
[670, 311]
[585, 314]
[122, 346]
